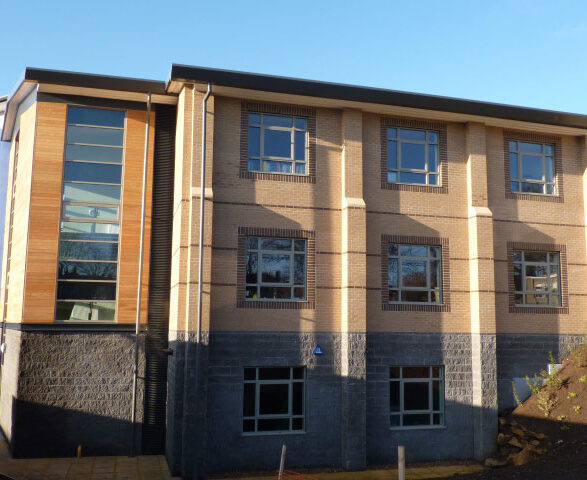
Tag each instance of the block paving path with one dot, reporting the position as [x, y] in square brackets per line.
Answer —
[147, 467]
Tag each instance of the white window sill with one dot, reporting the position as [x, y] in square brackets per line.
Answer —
[420, 427]
[273, 433]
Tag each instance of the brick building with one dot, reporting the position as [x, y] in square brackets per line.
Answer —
[378, 267]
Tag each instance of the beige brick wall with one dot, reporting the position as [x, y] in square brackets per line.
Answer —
[242, 202]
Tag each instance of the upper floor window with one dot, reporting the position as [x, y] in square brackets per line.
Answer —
[90, 215]
[275, 269]
[278, 144]
[532, 168]
[412, 156]
[537, 278]
[414, 273]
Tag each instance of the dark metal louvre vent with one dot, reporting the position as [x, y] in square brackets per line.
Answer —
[159, 282]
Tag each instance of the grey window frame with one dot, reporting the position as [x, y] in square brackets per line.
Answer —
[548, 264]
[519, 180]
[427, 143]
[262, 157]
[289, 415]
[92, 204]
[429, 258]
[402, 411]
[291, 284]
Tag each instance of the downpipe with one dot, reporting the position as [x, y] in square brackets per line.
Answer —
[140, 282]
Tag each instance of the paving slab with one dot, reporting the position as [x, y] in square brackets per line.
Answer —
[145, 467]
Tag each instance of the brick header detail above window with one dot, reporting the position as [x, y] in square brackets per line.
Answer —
[508, 136]
[411, 240]
[278, 109]
[443, 155]
[540, 247]
[309, 235]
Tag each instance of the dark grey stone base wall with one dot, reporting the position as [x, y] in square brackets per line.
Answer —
[453, 441]
[75, 389]
[519, 355]
[320, 445]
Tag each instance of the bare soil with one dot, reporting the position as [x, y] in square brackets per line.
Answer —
[559, 411]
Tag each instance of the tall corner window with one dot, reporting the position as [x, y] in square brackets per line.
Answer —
[412, 156]
[537, 278]
[90, 215]
[273, 399]
[532, 168]
[416, 396]
[275, 269]
[278, 144]
[414, 273]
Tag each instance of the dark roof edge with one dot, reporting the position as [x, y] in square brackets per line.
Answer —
[313, 88]
[90, 80]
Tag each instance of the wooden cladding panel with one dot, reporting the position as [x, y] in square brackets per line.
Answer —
[41, 267]
[131, 218]
[20, 226]
[41, 279]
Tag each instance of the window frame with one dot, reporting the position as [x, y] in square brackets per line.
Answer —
[543, 156]
[430, 411]
[548, 264]
[290, 415]
[416, 124]
[284, 110]
[527, 137]
[309, 235]
[91, 204]
[399, 155]
[428, 259]
[563, 309]
[292, 252]
[262, 158]
[443, 242]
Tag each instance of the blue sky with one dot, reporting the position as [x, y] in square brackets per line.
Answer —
[519, 52]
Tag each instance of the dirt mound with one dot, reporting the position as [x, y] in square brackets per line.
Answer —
[546, 435]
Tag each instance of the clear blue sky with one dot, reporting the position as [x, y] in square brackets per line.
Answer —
[520, 52]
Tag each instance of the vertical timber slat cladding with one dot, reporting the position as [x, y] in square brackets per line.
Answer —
[159, 282]
[41, 279]
[131, 217]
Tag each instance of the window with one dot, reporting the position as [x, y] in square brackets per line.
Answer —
[414, 273]
[532, 168]
[416, 396]
[278, 144]
[90, 215]
[275, 269]
[412, 156]
[273, 399]
[536, 278]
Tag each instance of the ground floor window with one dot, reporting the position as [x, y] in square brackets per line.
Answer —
[273, 399]
[416, 396]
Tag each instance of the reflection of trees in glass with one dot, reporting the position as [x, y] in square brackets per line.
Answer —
[88, 251]
[251, 268]
[414, 274]
[275, 268]
[87, 270]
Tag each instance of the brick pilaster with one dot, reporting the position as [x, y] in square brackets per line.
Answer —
[353, 308]
[482, 296]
